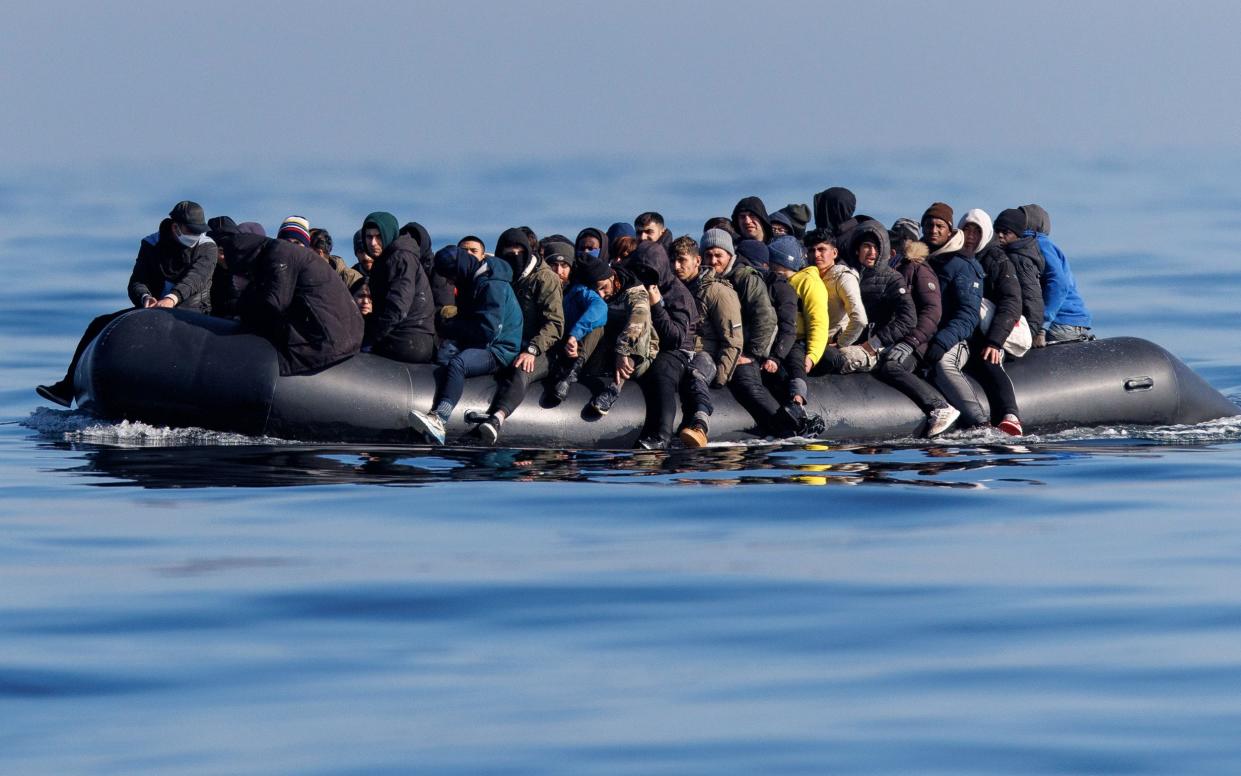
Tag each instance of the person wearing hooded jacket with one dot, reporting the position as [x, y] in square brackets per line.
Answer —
[539, 294]
[591, 242]
[483, 337]
[1064, 312]
[960, 281]
[833, 210]
[1027, 259]
[890, 311]
[442, 292]
[1002, 289]
[401, 325]
[293, 299]
[174, 268]
[674, 317]
[751, 221]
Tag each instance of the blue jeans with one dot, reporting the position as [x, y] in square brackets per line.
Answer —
[1063, 332]
[467, 363]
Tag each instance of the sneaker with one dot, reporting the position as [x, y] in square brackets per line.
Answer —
[652, 443]
[938, 420]
[605, 399]
[1010, 425]
[694, 435]
[560, 391]
[58, 393]
[428, 424]
[476, 416]
[489, 430]
[811, 426]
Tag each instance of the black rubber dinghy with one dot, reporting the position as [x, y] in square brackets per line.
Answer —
[168, 367]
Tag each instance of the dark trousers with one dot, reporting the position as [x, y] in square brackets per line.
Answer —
[512, 389]
[998, 386]
[414, 349]
[92, 331]
[451, 377]
[660, 388]
[747, 388]
[899, 373]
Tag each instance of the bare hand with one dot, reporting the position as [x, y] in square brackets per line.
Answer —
[770, 365]
[525, 362]
[809, 363]
[570, 347]
[653, 291]
[167, 301]
[744, 360]
[992, 355]
[149, 301]
[624, 368]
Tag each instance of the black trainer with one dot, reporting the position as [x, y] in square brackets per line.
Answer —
[58, 393]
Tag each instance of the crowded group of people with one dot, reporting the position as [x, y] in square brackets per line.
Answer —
[755, 305]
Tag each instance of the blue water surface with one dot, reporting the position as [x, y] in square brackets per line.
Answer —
[181, 601]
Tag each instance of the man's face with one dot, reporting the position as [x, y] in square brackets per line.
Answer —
[778, 229]
[474, 248]
[562, 270]
[936, 231]
[1005, 236]
[867, 253]
[824, 257]
[651, 232]
[589, 243]
[719, 258]
[513, 255]
[686, 265]
[373, 241]
[973, 237]
[606, 287]
[751, 227]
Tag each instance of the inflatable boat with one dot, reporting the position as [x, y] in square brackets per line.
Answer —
[169, 367]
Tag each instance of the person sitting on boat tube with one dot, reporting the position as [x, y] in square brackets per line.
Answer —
[293, 299]
[539, 293]
[483, 337]
[174, 268]
[401, 325]
[1064, 312]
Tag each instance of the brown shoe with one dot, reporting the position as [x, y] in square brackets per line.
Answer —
[693, 436]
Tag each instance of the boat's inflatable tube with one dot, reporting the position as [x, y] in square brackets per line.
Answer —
[178, 368]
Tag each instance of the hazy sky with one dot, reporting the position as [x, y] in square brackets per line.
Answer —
[458, 80]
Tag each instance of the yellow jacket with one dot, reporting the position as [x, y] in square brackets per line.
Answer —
[812, 321]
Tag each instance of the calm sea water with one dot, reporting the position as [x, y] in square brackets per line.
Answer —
[175, 601]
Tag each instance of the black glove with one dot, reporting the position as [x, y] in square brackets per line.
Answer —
[1040, 339]
[933, 354]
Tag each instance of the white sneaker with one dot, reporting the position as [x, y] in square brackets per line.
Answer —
[428, 424]
[940, 419]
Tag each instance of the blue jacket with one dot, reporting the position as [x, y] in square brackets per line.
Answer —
[584, 310]
[960, 282]
[493, 320]
[1061, 302]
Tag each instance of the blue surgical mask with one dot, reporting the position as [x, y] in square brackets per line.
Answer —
[592, 253]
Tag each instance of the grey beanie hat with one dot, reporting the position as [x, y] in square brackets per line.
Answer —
[717, 238]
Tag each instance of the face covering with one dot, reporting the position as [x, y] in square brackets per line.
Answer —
[189, 240]
[592, 253]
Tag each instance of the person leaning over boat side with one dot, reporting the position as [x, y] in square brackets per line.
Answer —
[787, 258]
[321, 243]
[674, 317]
[294, 300]
[539, 294]
[1003, 290]
[717, 343]
[174, 268]
[751, 221]
[1027, 259]
[483, 337]
[890, 310]
[401, 325]
[1064, 312]
[960, 283]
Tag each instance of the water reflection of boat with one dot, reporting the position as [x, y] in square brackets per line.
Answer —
[184, 369]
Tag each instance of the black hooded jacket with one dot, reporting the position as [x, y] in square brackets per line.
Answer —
[401, 293]
[1001, 286]
[295, 300]
[675, 318]
[1029, 264]
[165, 266]
[442, 291]
[755, 206]
[889, 307]
[598, 235]
[833, 207]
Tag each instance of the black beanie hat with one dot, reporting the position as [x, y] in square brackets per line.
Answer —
[1011, 220]
[592, 270]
